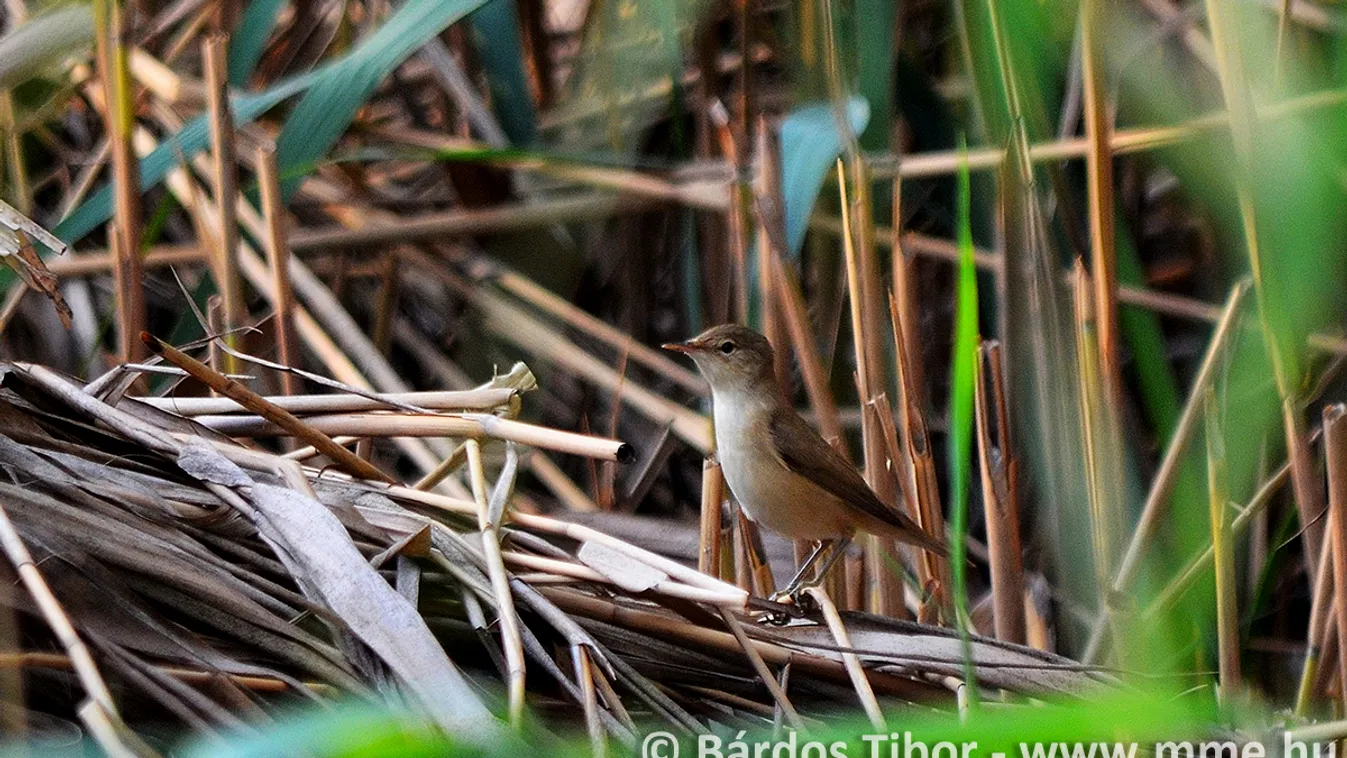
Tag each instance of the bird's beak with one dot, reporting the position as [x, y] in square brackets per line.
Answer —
[680, 347]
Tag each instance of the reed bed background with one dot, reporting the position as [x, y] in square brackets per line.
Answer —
[331, 382]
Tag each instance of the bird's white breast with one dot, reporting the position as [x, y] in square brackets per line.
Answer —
[769, 493]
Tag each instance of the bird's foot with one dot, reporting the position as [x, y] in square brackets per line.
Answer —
[778, 610]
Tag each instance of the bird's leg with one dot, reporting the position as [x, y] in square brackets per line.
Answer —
[798, 583]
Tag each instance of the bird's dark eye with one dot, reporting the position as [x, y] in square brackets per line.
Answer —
[727, 347]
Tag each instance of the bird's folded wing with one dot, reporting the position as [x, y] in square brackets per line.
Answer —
[804, 452]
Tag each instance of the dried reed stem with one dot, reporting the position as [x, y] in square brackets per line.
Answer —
[471, 426]
[864, 692]
[225, 186]
[795, 314]
[923, 488]
[1099, 183]
[511, 639]
[713, 498]
[1335, 460]
[119, 120]
[760, 667]
[266, 409]
[441, 400]
[1321, 619]
[282, 294]
[999, 501]
[50, 608]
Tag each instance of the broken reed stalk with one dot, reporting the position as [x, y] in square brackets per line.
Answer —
[713, 497]
[1335, 460]
[904, 292]
[278, 262]
[864, 692]
[1162, 486]
[511, 640]
[266, 409]
[468, 425]
[1321, 611]
[1000, 505]
[119, 116]
[225, 186]
[1222, 552]
[755, 554]
[922, 488]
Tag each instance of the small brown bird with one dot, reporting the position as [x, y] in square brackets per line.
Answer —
[780, 470]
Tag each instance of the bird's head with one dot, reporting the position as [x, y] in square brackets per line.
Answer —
[730, 356]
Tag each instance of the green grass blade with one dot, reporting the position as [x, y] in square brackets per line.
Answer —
[962, 377]
[333, 94]
[496, 27]
[875, 22]
[250, 39]
[44, 41]
[329, 106]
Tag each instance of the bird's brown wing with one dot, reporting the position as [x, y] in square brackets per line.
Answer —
[804, 452]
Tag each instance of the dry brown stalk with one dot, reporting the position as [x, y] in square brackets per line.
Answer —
[1316, 636]
[923, 489]
[769, 681]
[507, 614]
[95, 690]
[282, 295]
[864, 692]
[1335, 460]
[1099, 173]
[905, 293]
[999, 500]
[266, 409]
[119, 121]
[255, 683]
[713, 498]
[225, 186]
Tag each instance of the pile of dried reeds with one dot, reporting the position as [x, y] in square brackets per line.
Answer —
[170, 576]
